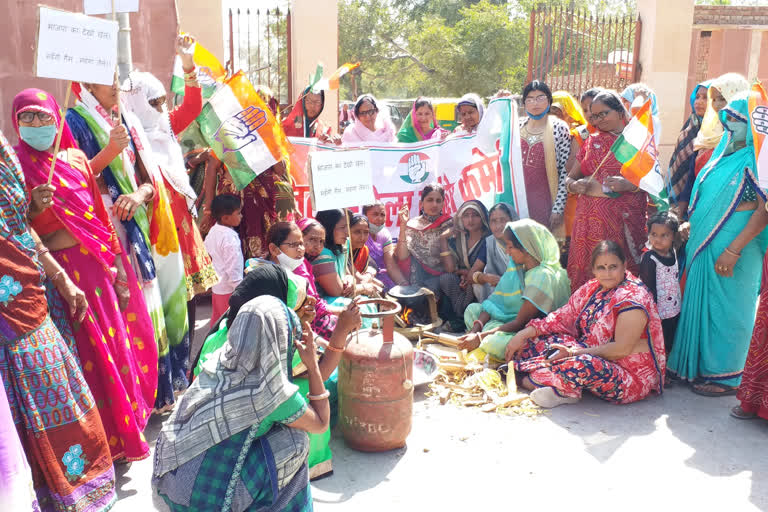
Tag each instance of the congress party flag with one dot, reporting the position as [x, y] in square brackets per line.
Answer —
[332, 83]
[636, 150]
[758, 113]
[210, 72]
[242, 131]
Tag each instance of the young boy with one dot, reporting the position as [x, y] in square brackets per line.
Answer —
[223, 244]
[660, 271]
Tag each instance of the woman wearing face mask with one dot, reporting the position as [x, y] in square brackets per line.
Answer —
[721, 91]
[681, 166]
[546, 145]
[115, 338]
[609, 206]
[533, 285]
[418, 247]
[370, 125]
[287, 248]
[727, 242]
[460, 249]
[606, 340]
[145, 96]
[133, 190]
[381, 247]
[469, 112]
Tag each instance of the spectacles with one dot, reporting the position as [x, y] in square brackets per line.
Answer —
[367, 113]
[600, 115]
[28, 117]
[293, 245]
[538, 99]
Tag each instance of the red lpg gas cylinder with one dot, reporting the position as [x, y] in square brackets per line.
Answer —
[376, 385]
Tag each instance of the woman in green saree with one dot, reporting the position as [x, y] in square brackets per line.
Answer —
[257, 458]
[723, 267]
[533, 285]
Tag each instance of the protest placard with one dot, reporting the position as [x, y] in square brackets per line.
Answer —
[340, 179]
[76, 47]
[92, 7]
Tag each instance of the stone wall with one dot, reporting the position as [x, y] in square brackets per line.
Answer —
[729, 15]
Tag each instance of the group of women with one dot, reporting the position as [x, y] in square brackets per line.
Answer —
[103, 258]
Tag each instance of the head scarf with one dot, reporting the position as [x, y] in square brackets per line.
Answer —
[384, 130]
[546, 285]
[463, 251]
[630, 92]
[570, 107]
[73, 200]
[711, 130]
[682, 162]
[411, 130]
[138, 90]
[298, 114]
[473, 100]
[239, 387]
[722, 180]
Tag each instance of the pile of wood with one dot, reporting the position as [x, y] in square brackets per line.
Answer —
[470, 383]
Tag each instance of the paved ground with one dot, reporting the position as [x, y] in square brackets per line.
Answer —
[677, 452]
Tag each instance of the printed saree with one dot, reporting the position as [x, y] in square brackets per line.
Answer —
[153, 230]
[48, 415]
[253, 461]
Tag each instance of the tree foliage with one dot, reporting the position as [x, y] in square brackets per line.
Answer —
[438, 48]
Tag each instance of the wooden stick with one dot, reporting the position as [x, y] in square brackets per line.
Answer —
[117, 69]
[349, 257]
[61, 131]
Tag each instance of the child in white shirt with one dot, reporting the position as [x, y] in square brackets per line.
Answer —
[223, 244]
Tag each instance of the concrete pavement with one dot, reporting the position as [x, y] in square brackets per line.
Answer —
[677, 452]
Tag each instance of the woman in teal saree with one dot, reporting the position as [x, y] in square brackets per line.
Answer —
[723, 266]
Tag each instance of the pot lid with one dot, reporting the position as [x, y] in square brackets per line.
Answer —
[406, 292]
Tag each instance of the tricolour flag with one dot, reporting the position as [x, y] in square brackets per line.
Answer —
[210, 72]
[758, 113]
[332, 83]
[636, 150]
[242, 131]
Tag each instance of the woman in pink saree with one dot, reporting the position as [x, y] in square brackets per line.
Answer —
[115, 341]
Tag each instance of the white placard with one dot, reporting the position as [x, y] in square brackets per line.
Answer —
[92, 7]
[76, 47]
[341, 179]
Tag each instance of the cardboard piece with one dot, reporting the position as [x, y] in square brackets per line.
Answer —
[75, 47]
[93, 7]
[340, 179]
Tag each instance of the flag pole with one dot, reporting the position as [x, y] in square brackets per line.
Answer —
[117, 75]
[61, 131]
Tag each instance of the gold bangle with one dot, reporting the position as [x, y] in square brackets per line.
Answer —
[732, 253]
[445, 253]
[334, 349]
[476, 276]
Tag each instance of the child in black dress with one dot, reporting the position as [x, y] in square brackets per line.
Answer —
[660, 271]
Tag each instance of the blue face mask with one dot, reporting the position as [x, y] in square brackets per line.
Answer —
[39, 137]
[538, 116]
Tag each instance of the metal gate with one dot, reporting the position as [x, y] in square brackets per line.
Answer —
[575, 50]
[259, 44]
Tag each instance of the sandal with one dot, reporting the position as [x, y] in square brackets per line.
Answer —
[739, 413]
[724, 390]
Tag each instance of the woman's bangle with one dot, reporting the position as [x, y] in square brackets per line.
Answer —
[118, 282]
[477, 322]
[42, 251]
[151, 190]
[57, 275]
[321, 396]
[334, 349]
[476, 277]
[568, 184]
[445, 253]
[732, 253]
